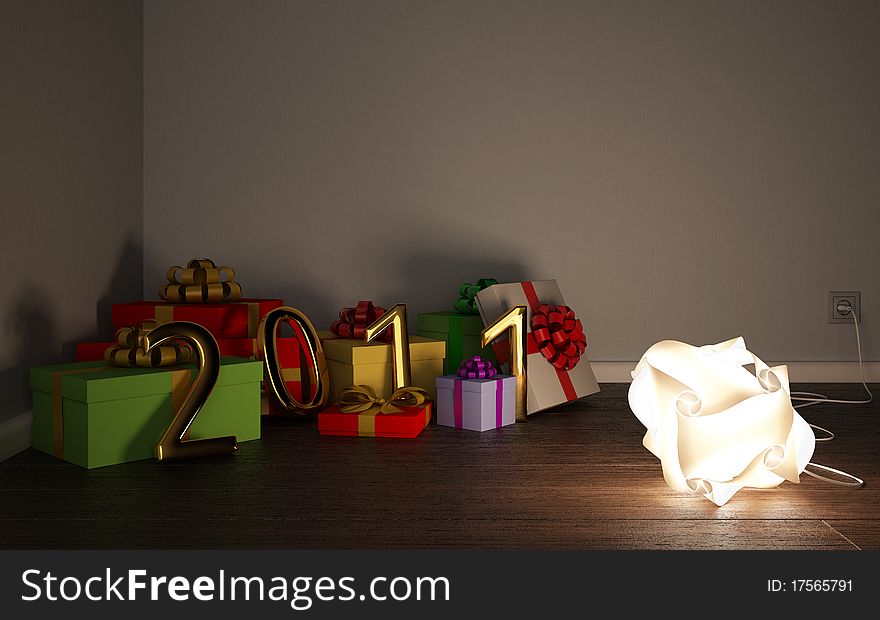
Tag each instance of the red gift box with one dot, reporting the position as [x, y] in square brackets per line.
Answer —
[408, 422]
[92, 351]
[291, 356]
[237, 319]
[294, 361]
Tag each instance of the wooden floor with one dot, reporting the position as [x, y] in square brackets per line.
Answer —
[575, 478]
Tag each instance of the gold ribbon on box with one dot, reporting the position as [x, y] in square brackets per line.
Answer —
[180, 382]
[362, 400]
[200, 282]
[58, 405]
[164, 313]
[129, 352]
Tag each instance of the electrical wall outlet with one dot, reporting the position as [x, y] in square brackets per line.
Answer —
[843, 304]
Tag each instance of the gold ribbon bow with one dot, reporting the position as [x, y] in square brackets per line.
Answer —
[201, 282]
[363, 399]
[128, 350]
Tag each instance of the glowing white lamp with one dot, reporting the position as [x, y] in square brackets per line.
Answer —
[716, 426]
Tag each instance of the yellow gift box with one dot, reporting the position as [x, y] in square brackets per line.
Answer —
[351, 362]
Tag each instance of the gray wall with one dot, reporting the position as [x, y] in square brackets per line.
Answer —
[70, 179]
[691, 170]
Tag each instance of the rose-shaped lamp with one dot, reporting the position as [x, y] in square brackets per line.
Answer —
[715, 425]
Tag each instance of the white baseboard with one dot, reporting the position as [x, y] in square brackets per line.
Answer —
[15, 435]
[798, 372]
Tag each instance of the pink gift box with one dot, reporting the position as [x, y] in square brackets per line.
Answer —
[476, 404]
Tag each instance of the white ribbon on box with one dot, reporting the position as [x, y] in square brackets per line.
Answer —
[715, 426]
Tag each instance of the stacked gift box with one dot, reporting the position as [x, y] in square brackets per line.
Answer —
[113, 405]
[558, 371]
[367, 367]
[353, 362]
[233, 324]
[459, 327]
[360, 412]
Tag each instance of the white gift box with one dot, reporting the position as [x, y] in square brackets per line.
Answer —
[476, 404]
[547, 385]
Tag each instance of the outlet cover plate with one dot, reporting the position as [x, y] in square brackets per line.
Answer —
[855, 300]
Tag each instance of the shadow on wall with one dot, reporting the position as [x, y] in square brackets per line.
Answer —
[31, 327]
[125, 284]
[313, 301]
[436, 278]
[425, 282]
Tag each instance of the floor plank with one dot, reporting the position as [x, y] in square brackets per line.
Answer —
[427, 533]
[862, 533]
[575, 478]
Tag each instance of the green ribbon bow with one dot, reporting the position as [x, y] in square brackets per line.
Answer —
[467, 293]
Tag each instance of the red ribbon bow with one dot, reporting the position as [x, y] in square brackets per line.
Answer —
[353, 322]
[559, 335]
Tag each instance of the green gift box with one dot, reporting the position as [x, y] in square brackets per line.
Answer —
[93, 414]
[461, 333]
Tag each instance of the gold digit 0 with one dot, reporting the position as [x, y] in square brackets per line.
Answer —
[396, 320]
[267, 342]
[175, 442]
[513, 323]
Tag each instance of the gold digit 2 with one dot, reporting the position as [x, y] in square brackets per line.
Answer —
[175, 443]
[267, 342]
[513, 323]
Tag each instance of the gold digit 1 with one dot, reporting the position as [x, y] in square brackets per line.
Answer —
[396, 320]
[513, 323]
[267, 343]
[175, 443]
